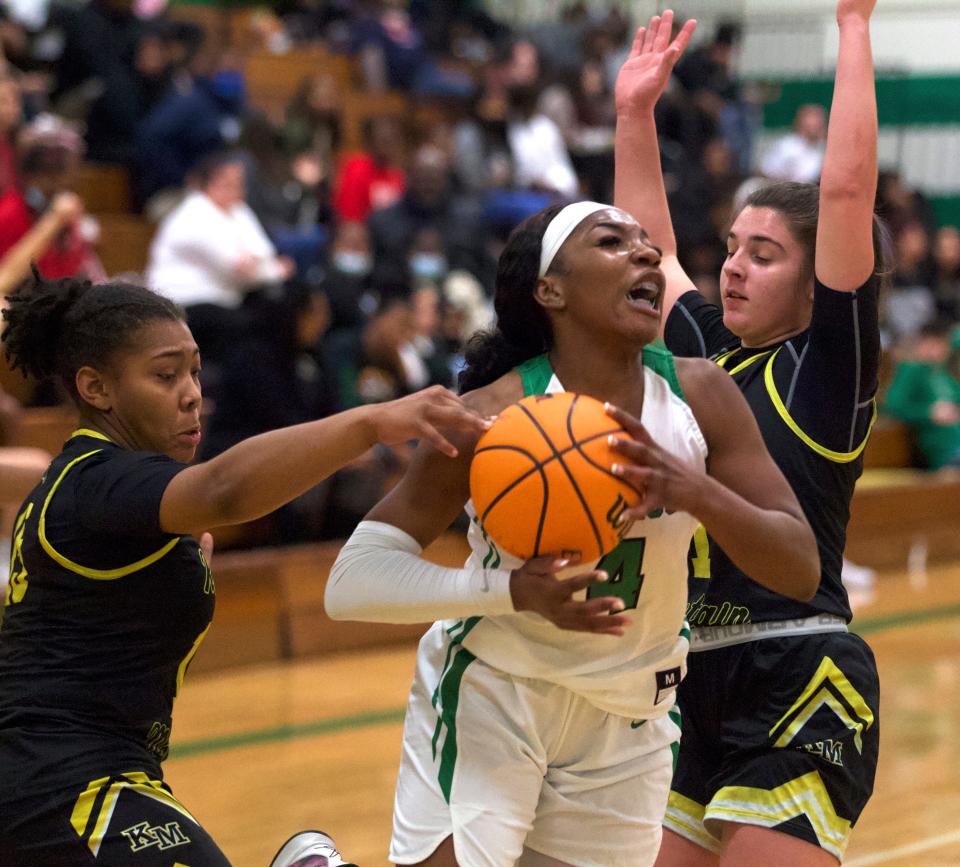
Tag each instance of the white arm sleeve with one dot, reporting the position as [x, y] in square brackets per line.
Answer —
[380, 577]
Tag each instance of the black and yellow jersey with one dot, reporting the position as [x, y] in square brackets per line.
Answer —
[104, 612]
[814, 398]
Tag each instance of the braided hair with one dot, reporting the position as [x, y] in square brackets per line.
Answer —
[55, 327]
[523, 328]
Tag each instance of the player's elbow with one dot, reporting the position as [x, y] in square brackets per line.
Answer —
[806, 578]
[337, 602]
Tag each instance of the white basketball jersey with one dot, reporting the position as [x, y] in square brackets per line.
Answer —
[635, 675]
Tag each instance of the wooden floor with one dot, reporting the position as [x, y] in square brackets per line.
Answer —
[262, 752]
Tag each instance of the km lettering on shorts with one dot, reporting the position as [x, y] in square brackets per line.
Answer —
[143, 836]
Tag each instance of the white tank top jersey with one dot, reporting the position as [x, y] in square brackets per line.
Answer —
[635, 675]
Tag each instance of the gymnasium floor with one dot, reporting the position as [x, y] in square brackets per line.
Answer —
[262, 752]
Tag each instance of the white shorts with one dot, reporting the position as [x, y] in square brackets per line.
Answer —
[502, 763]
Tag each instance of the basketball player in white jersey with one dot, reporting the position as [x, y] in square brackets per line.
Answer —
[525, 742]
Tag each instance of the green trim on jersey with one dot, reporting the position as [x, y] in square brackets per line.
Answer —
[536, 373]
[660, 360]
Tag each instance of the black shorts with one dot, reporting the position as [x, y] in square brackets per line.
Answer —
[124, 821]
[781, 733]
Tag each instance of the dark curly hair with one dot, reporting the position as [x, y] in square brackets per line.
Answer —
[55, 327]
[523, 328]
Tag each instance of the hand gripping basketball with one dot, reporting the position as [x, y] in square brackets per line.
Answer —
[661, 480]
[541, 483]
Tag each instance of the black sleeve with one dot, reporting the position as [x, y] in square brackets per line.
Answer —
[829, 388]
[695, 328]
[119, 492]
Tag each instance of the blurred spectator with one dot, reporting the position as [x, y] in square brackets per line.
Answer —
[560, 41]
[429, 203]
[424, 356]
[909, 304]
[481, 155]
[925, 394]
[289, 195]
[347, 282]
[586, 116]
[210, 251]
[899, 204]
[50, 152]
[540, 157]
[799, 155]
[946, 272]
[114, 62]
[701, 204]
[393, 55]
[274, 378]
[373, 179]
[11, 114]
[199, 115]
[64, 212]
[313, 121]
[366, 362]
[708, 77]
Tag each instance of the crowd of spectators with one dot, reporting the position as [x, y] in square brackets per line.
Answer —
[317, 278]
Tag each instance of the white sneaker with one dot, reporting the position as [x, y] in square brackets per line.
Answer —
[309, 849]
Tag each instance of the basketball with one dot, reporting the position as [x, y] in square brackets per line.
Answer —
[540, 480]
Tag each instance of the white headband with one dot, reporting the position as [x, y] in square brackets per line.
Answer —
[560, 227]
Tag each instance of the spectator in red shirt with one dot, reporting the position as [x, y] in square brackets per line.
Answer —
[373, 179]
[49, 156]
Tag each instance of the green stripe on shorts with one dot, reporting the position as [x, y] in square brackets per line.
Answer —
[450, 699]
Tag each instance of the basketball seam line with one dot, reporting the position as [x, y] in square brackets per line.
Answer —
[541, 464]
[539, 468]
[566, 469]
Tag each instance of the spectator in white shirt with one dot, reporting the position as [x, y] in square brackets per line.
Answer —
[211, 250]
[799, 155]
[540, 157]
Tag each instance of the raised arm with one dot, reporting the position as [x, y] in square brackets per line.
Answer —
[848, 183]
[638, 180]
[744, 502]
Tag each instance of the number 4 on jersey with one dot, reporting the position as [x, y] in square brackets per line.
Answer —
[624, 565]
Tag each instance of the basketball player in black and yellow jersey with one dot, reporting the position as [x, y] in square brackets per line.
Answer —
[110, 594]
[780, 705]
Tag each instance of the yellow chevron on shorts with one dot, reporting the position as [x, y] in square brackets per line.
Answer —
[685, 817]
[80, 817]
[816, 694]
[803, 796]
[136, 781]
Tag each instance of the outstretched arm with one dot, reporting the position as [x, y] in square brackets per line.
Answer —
[264, 472]
[848, 183]
[638, 180]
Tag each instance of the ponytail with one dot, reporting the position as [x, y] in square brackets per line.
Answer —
[523, 329]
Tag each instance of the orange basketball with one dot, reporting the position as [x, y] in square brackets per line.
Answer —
[540, 480]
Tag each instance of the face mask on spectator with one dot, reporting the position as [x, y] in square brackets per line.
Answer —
[351, 262]
[35, 198]
[428, 266]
